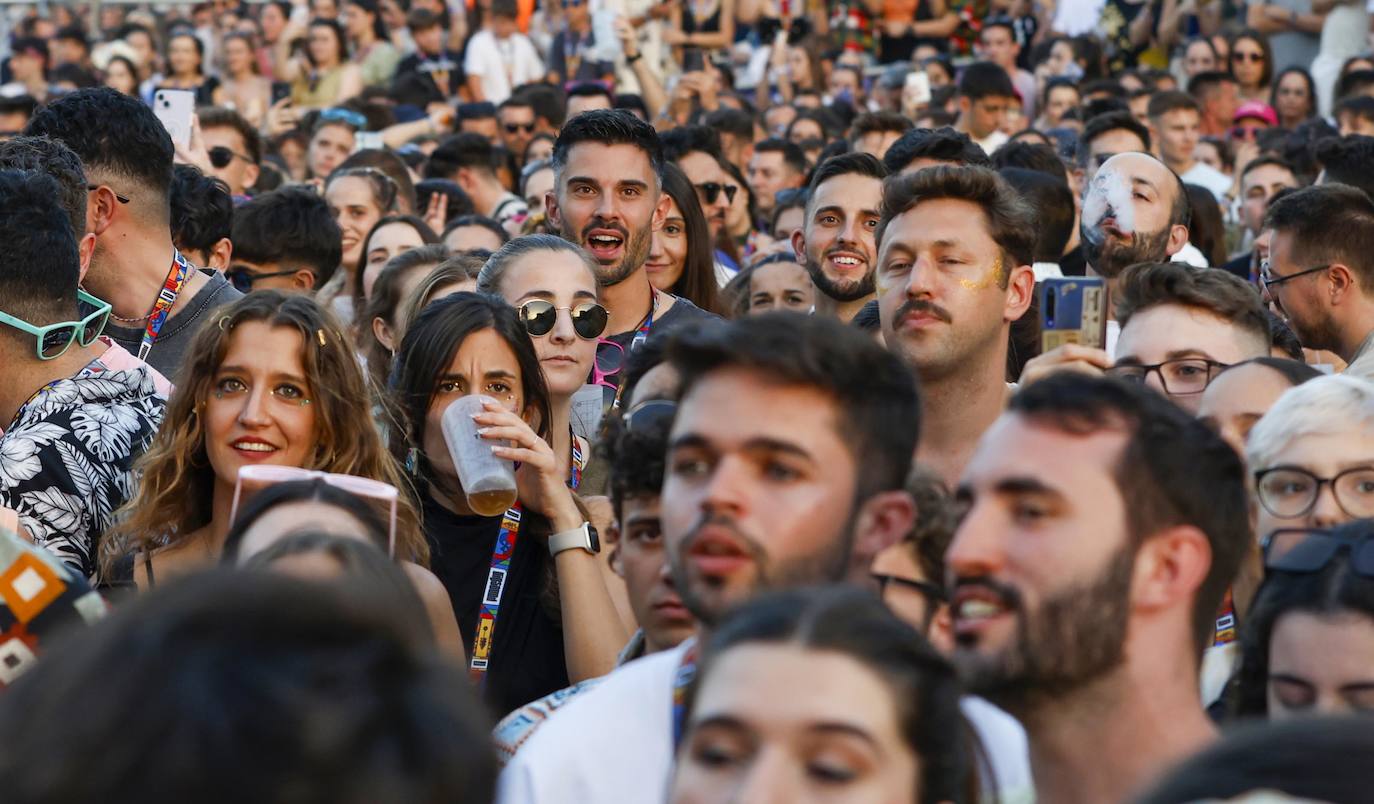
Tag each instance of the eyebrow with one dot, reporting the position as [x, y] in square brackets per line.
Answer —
[1015, 484]
[495, 374]
[1144, 181]
[758, 443]
[825, 726]
[276, 375]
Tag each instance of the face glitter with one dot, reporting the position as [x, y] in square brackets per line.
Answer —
[993, 276]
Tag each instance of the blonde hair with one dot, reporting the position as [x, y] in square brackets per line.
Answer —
[1327, 405]
[176, 478]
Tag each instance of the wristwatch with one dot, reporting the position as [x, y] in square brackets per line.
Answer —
[584, 537]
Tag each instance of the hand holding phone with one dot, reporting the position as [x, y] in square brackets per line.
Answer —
[174, 107]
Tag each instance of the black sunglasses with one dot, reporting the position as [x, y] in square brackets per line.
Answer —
[711, 191]
[242, 279]
[123, 199]
[1303, 550]
[511, 128]
[221, 156]
[649, 413]
[589, 319]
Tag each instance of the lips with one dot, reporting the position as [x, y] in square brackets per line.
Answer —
[715, 552]
[606, 243]
[847, 262]
[253, 449]
[671, 609]
[977, 606]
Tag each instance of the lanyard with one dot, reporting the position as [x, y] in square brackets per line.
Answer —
[682, 679]
[166, 298]
[642, 334]
[497, 574]
[1226, 622]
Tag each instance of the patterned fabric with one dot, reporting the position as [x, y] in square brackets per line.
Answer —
[851, 26]
[39, 596]
[66, 461]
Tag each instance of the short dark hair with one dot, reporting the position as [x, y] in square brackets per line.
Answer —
[50, 156]
[1031, 156]
[1267, 159]
[1204, 83]
[1348, 160]
[1361, 106]
[155, 673]
[636, 458]
[878, 409]
[477, 110]
[546, 101]
[1219, 292]
[490, 224]
[1175, 470]
[464, 150]
[735, 122]
[112, 133]
[1283, 337]
[202, 210]
[944, 144]
[292, 225]
[683, 140]
[1052, 203]
[1329, 223]
[1171, 101]
[218, 117]
[878, 122]
[1353, 82]
[1059, 82]
[609, 127]
[458, 202]
[1103, 123]
[1010, 220]
[983, 79]
[1110, 86]
[844, 165]
[590, 89]
[39, 264]
[792, 154]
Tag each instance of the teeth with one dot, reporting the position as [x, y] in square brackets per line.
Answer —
[978, 609]
[846, 261]
[604, 240]
[250, 446]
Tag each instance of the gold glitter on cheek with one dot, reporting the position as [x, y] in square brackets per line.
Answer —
[994, 275]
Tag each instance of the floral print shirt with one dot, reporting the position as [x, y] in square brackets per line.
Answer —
[66, 461]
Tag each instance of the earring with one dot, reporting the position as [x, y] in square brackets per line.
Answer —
[412, 460]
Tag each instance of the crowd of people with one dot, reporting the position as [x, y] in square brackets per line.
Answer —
[622, 401]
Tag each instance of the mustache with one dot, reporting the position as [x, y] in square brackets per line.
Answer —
[846, 248]
[1008, 596]
[920, 306]
[599, 223]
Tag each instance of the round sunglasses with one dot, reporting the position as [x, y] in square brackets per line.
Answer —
[589, 319]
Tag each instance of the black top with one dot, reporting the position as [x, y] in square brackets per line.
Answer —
[1073, 263]
[682, 313]
[527, 649]
[1240, 266]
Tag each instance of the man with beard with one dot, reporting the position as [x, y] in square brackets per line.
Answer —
[954, 271]
[608, 199]
[1320, 271]
[836, 241]
[696, 149]
[808, 492]
[1084, 613]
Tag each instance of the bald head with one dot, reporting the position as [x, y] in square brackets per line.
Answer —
[1134, 210]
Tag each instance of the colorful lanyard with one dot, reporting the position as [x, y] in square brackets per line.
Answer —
[682, 680]
[497, 573]
[642, 334]
[166, 298]
[1226, 622]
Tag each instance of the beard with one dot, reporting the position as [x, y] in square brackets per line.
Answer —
[1074, 638]
[1109, 257]
[636, 249]
[949, 350]
[841, 290]
[710, 599]
[1318, 333]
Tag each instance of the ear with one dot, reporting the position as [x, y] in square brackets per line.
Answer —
[382, 333]
[220, 254]
[250, 176]
[665, 203]
[1020, 289]
[1170, 568]
[303, 281]
[101, 210]
[799, 245]
[965, 106]
[551, 210]
[85, 249]
[1343, 283]
[1178, 238]
[883, 520]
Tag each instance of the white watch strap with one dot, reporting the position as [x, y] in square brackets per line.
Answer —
[570, 539]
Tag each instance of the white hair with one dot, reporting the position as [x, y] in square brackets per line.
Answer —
[1324, 406]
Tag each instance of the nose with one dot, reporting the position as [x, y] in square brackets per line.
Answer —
[606, 209]
[918, 281]
[254, 411]
[562, 331]
[977, 548]
[1326, 512]
[725, 490]
[770, 778]
[656, 251]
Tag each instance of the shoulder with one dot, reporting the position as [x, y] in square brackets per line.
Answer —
[683, 312]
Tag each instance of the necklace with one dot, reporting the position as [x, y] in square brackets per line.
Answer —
[129, 320]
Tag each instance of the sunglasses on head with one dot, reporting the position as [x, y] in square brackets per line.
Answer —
[346, 116]
[220, 156]
[711, 191]
[1304, 550]
[589, 319]
[511, 128]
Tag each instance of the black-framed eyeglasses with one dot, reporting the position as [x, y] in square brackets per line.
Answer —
[511, 128]
[1291, 491]
[220, 156]
[933, 593]
[243, 278]
[123, 199]
[1180, 377]
[711, 190]
[1269, 281]
[589, 319]
[1312, 549]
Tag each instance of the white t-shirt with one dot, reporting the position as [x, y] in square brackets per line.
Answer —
[614, 743]
[503, 64]
[1211, 178]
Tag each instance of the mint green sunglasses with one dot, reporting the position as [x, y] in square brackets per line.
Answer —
[54, 340]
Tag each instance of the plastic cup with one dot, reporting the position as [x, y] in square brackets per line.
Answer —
[488, 481]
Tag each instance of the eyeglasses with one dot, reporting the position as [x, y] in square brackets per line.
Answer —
[53, 340]
[253, 479]
[1255, 57]
[932, 592]
[610, 359]
[1245, 132]
[123, 199]
[1311, 550]
[512, 128]
[649, 414]
[1290, 491]
[242, 278]
[588, 319]
[221, 156]
[1180, 377]
[346, 116]
[1269, 281]
[711, 190]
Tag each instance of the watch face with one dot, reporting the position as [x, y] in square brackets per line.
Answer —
[593, 539]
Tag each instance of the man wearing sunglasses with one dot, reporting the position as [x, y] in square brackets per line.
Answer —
[1320, 273]
[284, 240]
[234, 147]
[518, 122]
[696, 149]
[73, 418]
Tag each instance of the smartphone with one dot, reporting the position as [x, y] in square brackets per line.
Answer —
[918, 87]
[368, 141]
[692, 60]
[174, 108]
[1073, 309]
[280, 91]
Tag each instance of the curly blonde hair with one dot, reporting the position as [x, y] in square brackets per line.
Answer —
[176, 478]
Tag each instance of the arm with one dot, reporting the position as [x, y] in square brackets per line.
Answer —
[942, 23]
[350, 83]
[650, 88]
[1267, 19]
[402, 133]
[1142, 26]
[439, 607]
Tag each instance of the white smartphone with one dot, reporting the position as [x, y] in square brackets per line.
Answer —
[174, 108]
[918, 87]
[368, 141]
